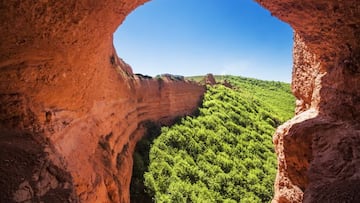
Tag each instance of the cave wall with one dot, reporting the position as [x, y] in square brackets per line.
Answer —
[64, 91]
[318, 153]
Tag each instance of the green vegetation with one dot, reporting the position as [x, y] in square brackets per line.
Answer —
[225, 154]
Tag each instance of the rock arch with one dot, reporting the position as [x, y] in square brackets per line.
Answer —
[62, 87]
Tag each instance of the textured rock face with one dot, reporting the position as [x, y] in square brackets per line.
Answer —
[318, 151]
[71, 112]
[75, 111]
[91, 150]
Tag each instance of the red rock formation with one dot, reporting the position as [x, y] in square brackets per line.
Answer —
[70, 106]
[75, 111]
[318, 151]
[95, 146]
[209, 79]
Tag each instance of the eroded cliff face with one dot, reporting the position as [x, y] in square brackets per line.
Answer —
[318, 150]
[90, 148]
[71, 112]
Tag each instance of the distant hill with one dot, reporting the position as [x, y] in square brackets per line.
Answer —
[225, 153]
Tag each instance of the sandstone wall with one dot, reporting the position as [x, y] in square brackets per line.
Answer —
[318, 154]
[71, 112]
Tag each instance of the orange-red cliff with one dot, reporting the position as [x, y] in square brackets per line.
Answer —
[71, 112]
[91, 148]
[318, 153]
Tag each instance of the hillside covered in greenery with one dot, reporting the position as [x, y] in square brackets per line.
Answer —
[225, 153]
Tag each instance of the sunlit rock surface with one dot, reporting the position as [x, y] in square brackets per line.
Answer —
[71, 111]
[318, 153]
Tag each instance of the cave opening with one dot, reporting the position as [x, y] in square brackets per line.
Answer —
[180, 38]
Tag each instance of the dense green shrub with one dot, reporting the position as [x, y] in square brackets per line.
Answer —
[225, 154]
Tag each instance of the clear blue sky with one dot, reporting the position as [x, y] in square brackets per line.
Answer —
[195, 37]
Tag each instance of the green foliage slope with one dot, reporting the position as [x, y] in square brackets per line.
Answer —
[225, 154]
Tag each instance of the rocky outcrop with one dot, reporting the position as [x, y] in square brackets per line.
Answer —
[74, 110]
[318, 154]
[91, 151]
[210, 79]
[71, 111]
